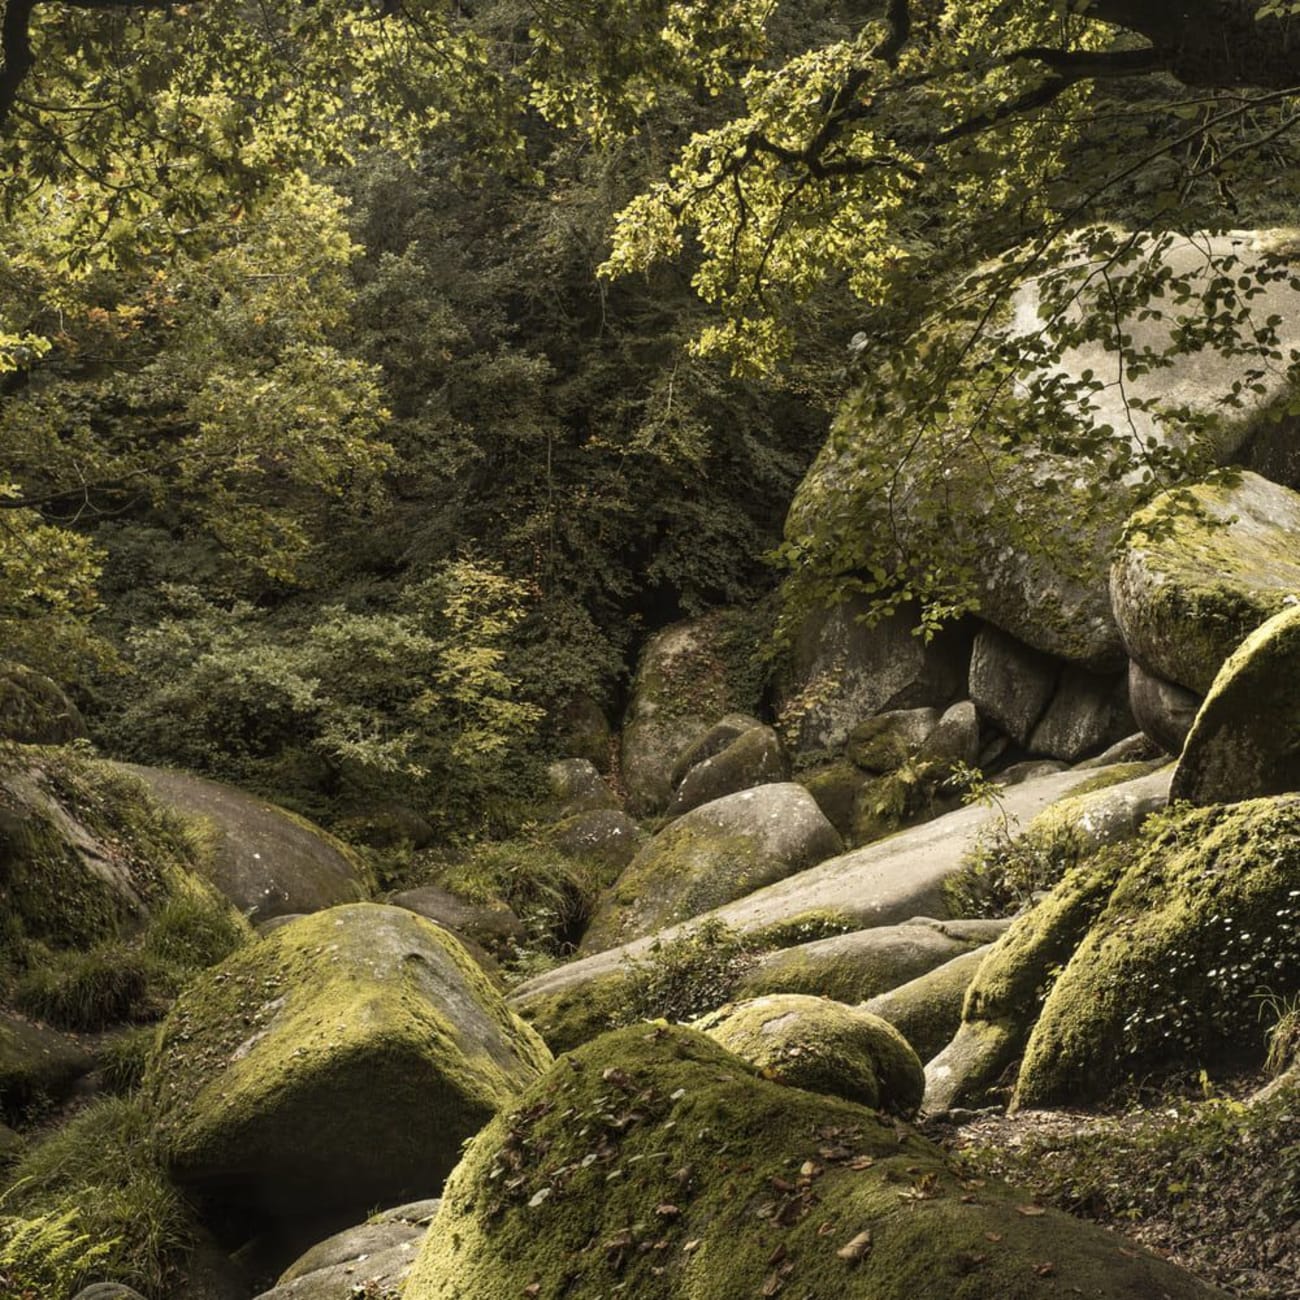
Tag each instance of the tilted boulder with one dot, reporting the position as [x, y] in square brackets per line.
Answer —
[823, 1046]
[927, 1010]
[885, 742]
[653, 1160]
[1202, 568]
[1204, 918]
[1087, 713]
[754, 758]
[35, 710]
[267, 861]
[1243, 743]
[1164, 710]
[338, 1062]
[577, 787]
[713, 741]
[715, 853]
[1011, 683]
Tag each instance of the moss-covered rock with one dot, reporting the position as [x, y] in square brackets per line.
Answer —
[688, 675]
[753, 758]
[608, 837]
[854, 967]
[1204, 918]
[36, 1065]
[823, 1046]
[1004, 998]
[712, 742]
[34, 710]
[568, 1015]
[718, 852]
[652, 1163]
[927, 1010]
[836, 787]
[577, 787]
[885, 742]
[1203, 568]
[87, 853]
[1243, 742]
[266, 860]
[337, 1062]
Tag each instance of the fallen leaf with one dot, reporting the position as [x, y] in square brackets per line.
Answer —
[691, 1246]
[856, 1248]
[862, 1162]
[1030, 1211]
[993, 1236]
[666, 1211]
[1045, 1269]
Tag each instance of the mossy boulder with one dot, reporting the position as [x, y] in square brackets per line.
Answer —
[607, 837]
[577, 787]
[567, 1014]
[854, 967]
[1004, 998]
[754, 758]
[927, 1010]
[884, 743]
[338, 1062]
[493, 926]
[836, 787]
[1204, 919]
[688, 676]
[37, 1065]
[267, 861]
[1201, 569]
[86, 852]
[1243, 743]
[823, 1046]
[712, 742]
[711, 855]
[653, 1163]
[35, 710]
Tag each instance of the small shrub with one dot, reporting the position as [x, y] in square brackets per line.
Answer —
[1284, 1036]
[684, 977]
[1001, 875]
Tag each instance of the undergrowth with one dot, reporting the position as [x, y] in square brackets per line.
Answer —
[687, 976]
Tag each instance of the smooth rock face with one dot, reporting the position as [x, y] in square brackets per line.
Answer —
[854, 967]
[494, 926]
[823, 1046]
[1188, 594]
[335, 1063]
[35, 710]
[1010, 683]
[844, 671]
[1087, 713]
[1245, 741]
[702, 1110]
[754, 758]
[1164, 711]
[711, 855]
[265, 860]
[685, 680]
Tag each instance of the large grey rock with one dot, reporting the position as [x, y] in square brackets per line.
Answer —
[1188, 588]
[854, 967]
[1087, 713]
[1010, 683]
[843, 671]
[1163, 710]
[335, 1063]
[713, 854]
[267, 861]
[955, 738]
[1050, 590]
[754, 758]
[884, 883]
[1245, 741]
[35, 710]
[688, 675]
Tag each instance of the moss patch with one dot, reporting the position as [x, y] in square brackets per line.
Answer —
[651, 1163]
[1206, 916]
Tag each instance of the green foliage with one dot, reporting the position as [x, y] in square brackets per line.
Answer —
[122, 1059]
[1001, 873]
[111, 983]
[101, 1176]
[686, 976]
[46, 1255]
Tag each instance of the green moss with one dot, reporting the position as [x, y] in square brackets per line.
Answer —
[651, 1163]
[1205, 917]
[578, 1013]
[803, 927]
[310, 1054]
[823, 1046]
[927, 1010]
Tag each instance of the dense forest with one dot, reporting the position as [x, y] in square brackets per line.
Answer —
[487, 437]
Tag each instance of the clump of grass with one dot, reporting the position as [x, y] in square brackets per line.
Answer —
[103, 1168]
[687, 976]
[1001, 874]
[1284, 1037]
[122, 1059]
